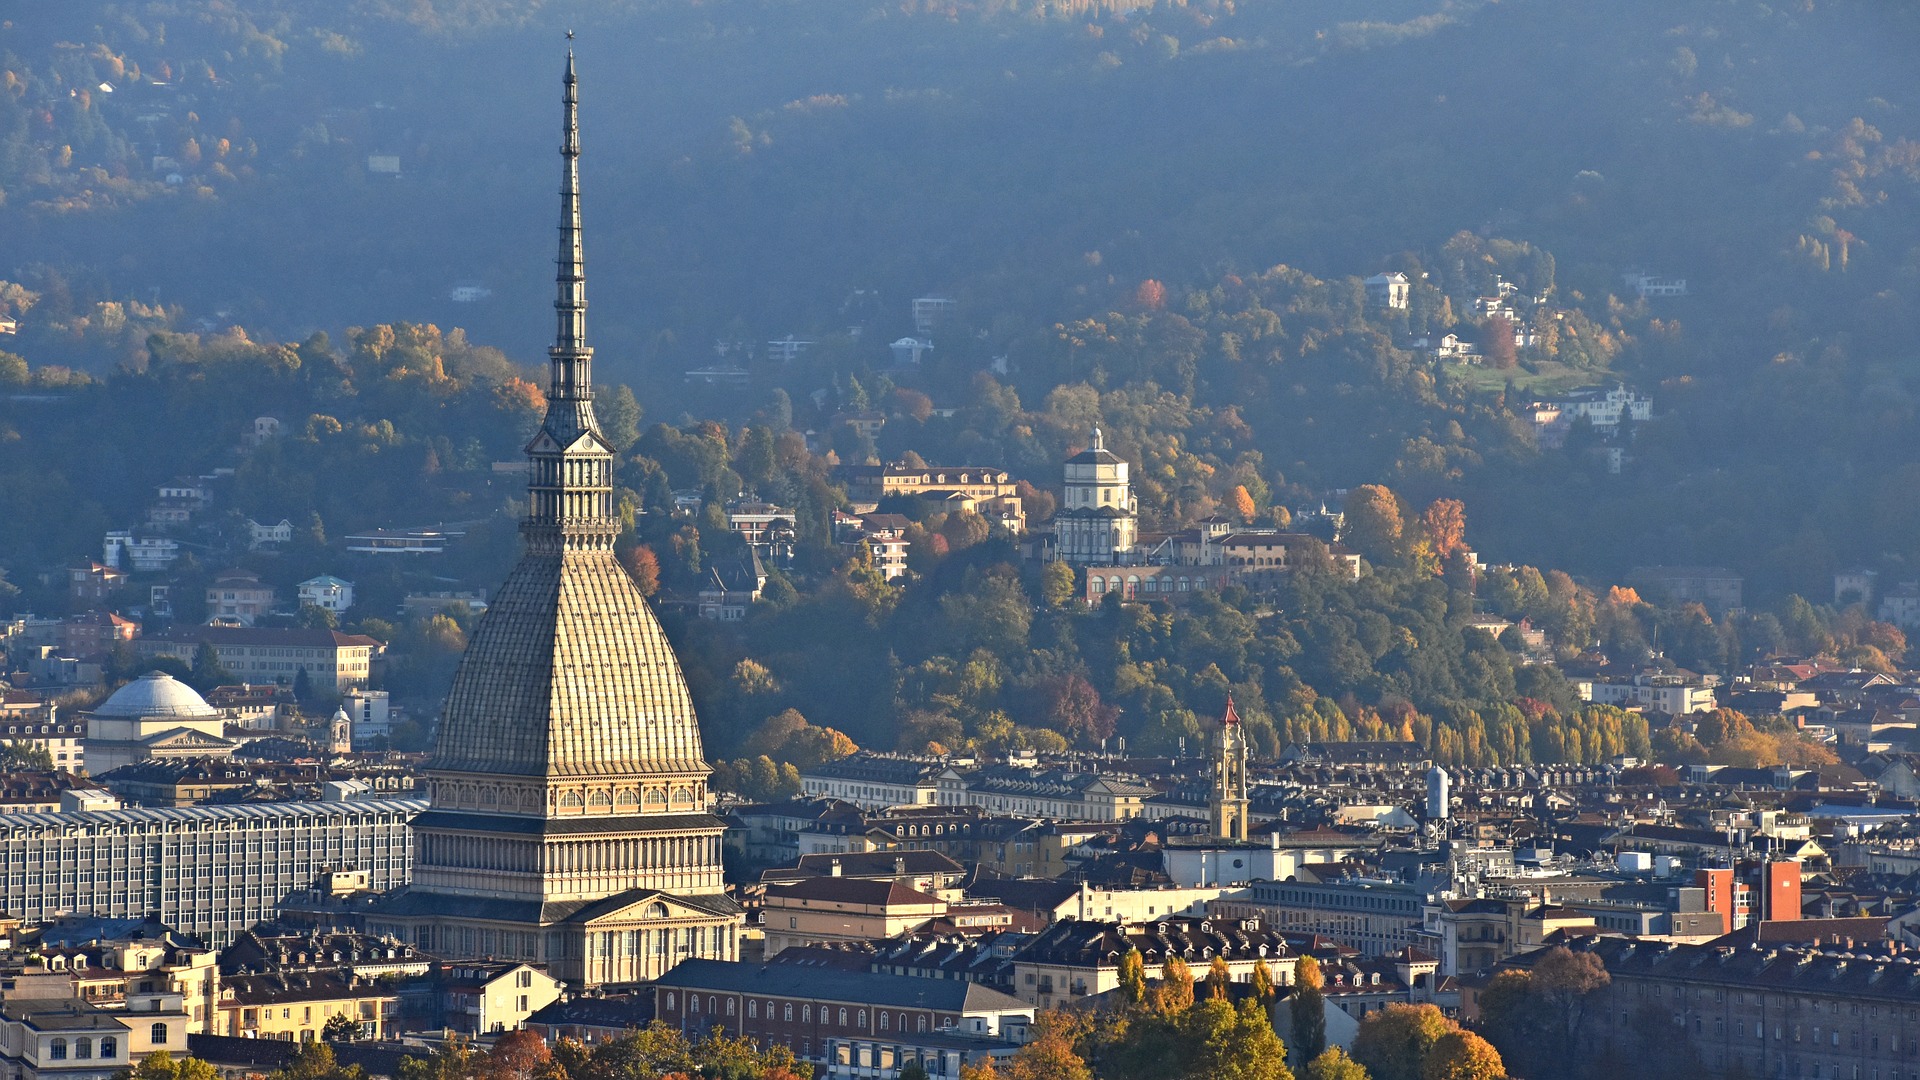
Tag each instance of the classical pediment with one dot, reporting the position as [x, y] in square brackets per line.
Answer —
[640, 907]
[186, 739]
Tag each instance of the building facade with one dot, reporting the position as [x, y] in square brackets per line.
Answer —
[1376, 917]
[334, 662]
[153, 717]
[210, 871]
[807, 1009]
[1098, 523]
[1834, 1012]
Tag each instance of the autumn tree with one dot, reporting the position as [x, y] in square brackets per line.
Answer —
[1133, 980]
[1567, 980]
[1262, 979]
[1223, 1041]
[1445, 524]
[1334, 1064]
[1307, 1004]
[1462, 1055]
[1497, 344]
[1049, 1052]
[643, 566]
[1219, 979]
[1243, 503]
[1716, 726]
[1176, 986]
[1373, 523]
[519, 1055]
[1393, 1043]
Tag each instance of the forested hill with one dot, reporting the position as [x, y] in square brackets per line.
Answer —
[750, 164]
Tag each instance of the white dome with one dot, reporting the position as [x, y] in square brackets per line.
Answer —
[156, 694]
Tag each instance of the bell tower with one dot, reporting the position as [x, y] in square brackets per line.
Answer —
[1228, 805]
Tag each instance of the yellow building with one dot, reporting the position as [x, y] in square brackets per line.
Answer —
[835, 909]
[295, 1007]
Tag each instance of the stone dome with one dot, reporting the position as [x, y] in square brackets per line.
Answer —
[156, 694]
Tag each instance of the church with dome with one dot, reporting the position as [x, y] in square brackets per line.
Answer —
[569, 821]
[154, 716]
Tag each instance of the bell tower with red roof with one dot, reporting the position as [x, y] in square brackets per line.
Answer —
[1228, 806]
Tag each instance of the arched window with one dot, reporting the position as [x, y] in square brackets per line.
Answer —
[656, 797]
[57, 1049]
[1099, 585]
[159, 1034]
[712, 1005]
[922, 1018]
[669, 999]
[627, 798]
[693, 1003]
[83, 1048]
[570, 800]
[109, 1048]
[863, 1019]
[886, 1021]
[806, 1014]
[843, 1018]
[600, 799]
[753, 1010]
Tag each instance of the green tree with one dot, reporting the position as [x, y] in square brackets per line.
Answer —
[341, 1028]
[161, 1065]
[452, 1060]
[207, 672]
[314, 617]
[1307, 1004]
[619, 415]
[1228, 1042]
[1057, 580]
[315, 1061]
[26, 755]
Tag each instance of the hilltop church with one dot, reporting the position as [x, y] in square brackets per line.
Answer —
[569, 822]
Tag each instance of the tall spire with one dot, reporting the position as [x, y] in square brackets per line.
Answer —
[570, 464]
[572, 359]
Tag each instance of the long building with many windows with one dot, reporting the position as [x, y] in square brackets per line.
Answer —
[1378, 918]
[210, 871]
[1835, 1011]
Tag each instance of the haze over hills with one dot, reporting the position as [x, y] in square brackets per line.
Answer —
[1152, 217]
